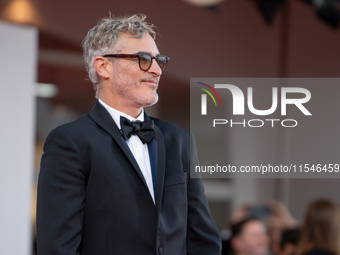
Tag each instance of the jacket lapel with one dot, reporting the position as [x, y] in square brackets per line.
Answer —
[153, 155]
[159, 154]
[105, 121]
[156, 149]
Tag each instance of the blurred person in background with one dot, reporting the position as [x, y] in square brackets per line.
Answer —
[274, 214]
[320, 233]
[289, 241]
[249, 237]
[116, 181]
[279, 219]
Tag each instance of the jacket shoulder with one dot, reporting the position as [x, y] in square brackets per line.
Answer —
[168, 127]
[78, 126]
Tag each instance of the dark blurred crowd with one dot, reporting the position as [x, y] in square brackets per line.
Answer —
[270, 229]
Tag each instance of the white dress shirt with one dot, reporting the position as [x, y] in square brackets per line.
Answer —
[139, 150]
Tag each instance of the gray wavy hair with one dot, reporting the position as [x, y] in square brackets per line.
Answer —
[103, 37]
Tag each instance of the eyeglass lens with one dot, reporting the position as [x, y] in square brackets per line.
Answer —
[145, 61]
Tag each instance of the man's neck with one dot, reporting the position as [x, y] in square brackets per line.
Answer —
[127, 109]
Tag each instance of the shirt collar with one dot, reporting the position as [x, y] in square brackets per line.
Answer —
[115, 114]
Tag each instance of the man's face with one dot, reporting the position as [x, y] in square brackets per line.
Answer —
[253, 239]
[132, 85]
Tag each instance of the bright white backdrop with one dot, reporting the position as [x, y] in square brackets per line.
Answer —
[18, 67]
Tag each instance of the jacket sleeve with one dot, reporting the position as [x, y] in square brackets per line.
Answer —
[61, 195]
[203, 236]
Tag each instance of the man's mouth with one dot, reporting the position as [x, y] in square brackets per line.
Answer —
[151, 82]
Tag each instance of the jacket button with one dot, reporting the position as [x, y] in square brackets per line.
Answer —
[160, 250]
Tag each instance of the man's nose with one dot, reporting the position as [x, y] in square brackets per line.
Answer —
[155, 68]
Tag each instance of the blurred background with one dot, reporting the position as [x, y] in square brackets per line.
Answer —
[203, 38]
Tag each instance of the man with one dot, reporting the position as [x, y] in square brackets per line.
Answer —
[116, 181]
[249, 237]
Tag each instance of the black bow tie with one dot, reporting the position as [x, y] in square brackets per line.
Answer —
[144, 130]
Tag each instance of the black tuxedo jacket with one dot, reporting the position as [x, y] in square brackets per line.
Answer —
[93, 199]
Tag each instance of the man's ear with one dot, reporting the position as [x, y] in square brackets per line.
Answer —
[102, 66]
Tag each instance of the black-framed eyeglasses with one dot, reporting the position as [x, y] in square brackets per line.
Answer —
[144, 59]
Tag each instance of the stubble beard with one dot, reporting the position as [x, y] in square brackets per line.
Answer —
[131, 94]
